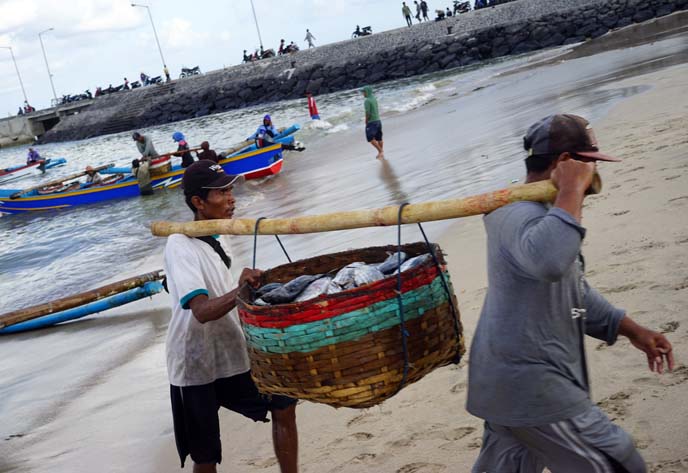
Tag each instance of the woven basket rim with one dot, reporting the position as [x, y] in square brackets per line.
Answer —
[243, 297]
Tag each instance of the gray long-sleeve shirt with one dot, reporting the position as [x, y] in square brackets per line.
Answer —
[526, 366]
[146, 148]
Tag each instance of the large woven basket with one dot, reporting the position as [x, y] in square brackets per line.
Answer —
[160, 165]
[346, 349]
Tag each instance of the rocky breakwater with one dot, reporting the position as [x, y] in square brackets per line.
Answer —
[517, 27]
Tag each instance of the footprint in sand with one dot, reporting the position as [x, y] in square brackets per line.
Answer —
[356, 436]
[671, 178]
[615, 405]
[681, 285]
[622, 212]
[422, 468]
[262, 462]
[669, 327]
[670, 466]
[641, 436]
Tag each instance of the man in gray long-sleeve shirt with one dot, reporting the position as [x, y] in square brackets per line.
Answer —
[527, 371]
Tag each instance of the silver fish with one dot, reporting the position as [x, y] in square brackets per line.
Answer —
[314, 289]
[333, 288]
[416, 262]
[290, 290]
[345, 277]
[367, 274]
[267, 288]
[389, 265]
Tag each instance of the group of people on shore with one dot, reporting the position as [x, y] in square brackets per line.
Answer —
[282, 49]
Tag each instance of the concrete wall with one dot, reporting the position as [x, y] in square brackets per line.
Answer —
[512, 28]
[18, 130]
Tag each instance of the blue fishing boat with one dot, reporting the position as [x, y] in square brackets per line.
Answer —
[252, 165]
[148, 289]
[15, 172]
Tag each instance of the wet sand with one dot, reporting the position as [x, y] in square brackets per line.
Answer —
[636, 256]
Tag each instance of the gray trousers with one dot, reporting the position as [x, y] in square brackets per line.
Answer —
[587, 443]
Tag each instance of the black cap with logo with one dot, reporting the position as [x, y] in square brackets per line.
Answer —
[206, 174]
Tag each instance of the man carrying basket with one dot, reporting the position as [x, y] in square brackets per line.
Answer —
[207, 358]
[527, 370]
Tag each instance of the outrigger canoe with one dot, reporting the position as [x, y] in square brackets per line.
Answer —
[252, 165]
[23, 170]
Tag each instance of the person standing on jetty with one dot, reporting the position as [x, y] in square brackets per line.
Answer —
[207, 358]
[406, 11]
[418, 11]
[372, 122]
[424, 9]
[527, 374]
[309, 38]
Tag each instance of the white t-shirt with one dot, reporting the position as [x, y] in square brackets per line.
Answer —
[200, 353]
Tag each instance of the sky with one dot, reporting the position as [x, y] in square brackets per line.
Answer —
[99, 42]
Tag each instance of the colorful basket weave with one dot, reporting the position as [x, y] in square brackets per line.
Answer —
[346, 349]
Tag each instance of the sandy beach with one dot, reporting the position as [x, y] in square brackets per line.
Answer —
[636, 256]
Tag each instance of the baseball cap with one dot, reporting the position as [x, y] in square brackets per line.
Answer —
[557, 134]
[206, 174]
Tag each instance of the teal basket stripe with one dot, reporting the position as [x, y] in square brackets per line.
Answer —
[347, 327]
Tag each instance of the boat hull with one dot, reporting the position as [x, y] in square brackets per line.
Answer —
[256, 164]
[148, 289]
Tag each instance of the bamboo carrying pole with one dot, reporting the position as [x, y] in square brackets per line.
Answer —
[77, 300]
[543, 191]
[18, 194]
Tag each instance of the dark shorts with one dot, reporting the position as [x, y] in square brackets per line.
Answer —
[195, 413]
[374, 131]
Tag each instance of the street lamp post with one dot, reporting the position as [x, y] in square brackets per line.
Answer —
[45, 58]
[155, 33]
[255, 18]
[17, 69]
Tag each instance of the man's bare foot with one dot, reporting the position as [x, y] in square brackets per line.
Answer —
[379, 156]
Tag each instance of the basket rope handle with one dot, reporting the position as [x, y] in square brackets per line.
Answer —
[402, 325]
[255, 243]
[455, 313]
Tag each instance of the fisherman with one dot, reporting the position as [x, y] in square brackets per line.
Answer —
[126, 84]
[93, 178]
[527, 368]
[145, 146]
[280, 51]
[309, 38]
[182, 149]
[265, 134]
[312, 107]
[33, 157]
[141, 167]
[207, 358]
[372, 122]
[207, 153]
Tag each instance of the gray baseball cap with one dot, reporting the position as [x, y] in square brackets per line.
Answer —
[558, 134]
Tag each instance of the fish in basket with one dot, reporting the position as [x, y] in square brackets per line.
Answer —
[348, 349]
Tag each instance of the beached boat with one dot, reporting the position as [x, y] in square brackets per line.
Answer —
[252, 165]
[147, 290]
[22, 170]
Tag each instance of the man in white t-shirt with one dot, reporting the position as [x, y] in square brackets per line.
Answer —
[207, 359]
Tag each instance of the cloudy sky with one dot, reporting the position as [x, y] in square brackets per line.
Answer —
[98, 42]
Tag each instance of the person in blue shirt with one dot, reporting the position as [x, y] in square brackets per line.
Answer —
[265, 134]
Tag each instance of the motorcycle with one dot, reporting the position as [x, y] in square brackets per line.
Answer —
[290, 48]
[268, 53]
[461, 7]
[153, 80]
[365, 31]
[135, 84]
[188, 72]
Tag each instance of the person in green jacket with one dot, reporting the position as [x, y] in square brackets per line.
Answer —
[373, 123]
